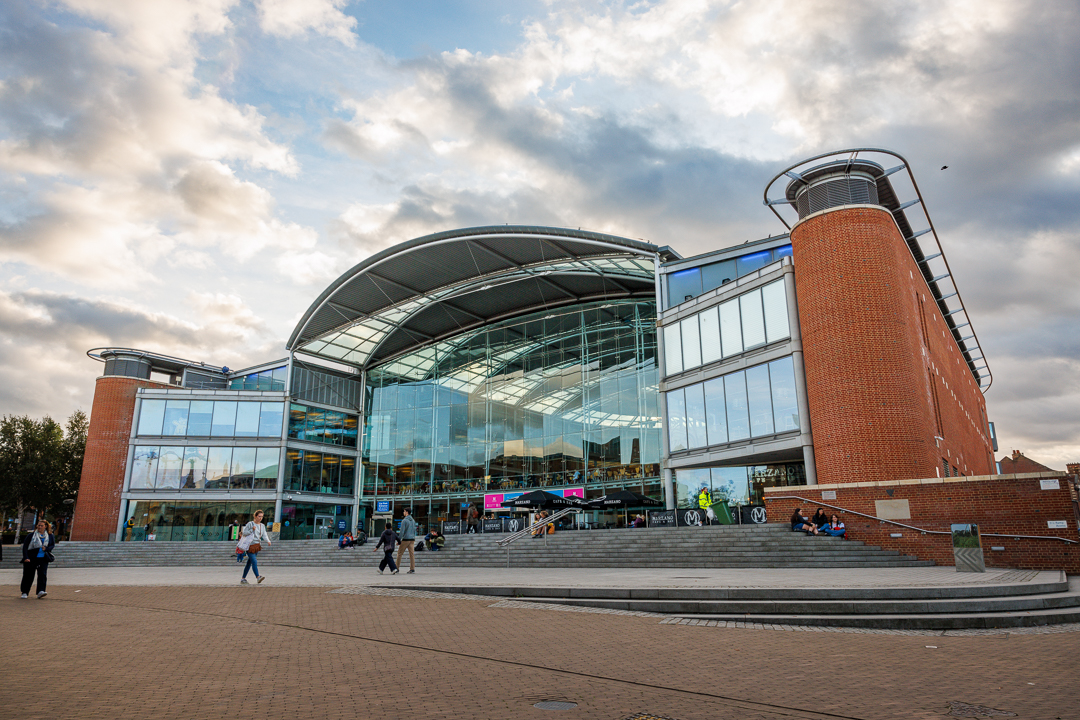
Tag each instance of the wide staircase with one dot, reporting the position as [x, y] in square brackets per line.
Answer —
[756, 546]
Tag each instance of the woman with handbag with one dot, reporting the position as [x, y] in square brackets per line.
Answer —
[37, 554]
[251, 539]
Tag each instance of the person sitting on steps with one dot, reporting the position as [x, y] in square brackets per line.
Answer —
[799, 523]
[820, 519]
[835, 527]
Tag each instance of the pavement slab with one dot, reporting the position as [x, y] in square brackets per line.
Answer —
[293, 647]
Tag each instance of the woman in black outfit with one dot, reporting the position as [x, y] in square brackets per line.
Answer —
[386, 542]
[820, 519]
[37, 553]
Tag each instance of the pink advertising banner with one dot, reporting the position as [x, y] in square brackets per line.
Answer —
[494, 501]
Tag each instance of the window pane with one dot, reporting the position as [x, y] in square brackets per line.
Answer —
[247, 419]
[270, 417]
[715, 411]
[279, 377]
[168, 474]
[760, 400]
[266, 467]
[312, 471]
[738, 416]
[144, 463]
[785, 404]
[151, 415]
[224, 419]
[243, 466]
[695, 417]
[683, 284]
[294, 468]
[676, 406]
[193, 476]
[297, 416]
[200, 418]
[710, 336]
[348, 476]
[730, 328]
[753, 321]
[716, 274]
[331, 469]
[731, 483]
[350, 430]
[673, 349]
[218, 467]
[265, 380]
[691, 343]
[774, 299]
[755, 261]
[176, 415]
[784, 251]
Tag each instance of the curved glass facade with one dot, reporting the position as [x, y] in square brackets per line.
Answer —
[566, 397]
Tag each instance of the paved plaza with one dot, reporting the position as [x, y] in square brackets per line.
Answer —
[348, 643]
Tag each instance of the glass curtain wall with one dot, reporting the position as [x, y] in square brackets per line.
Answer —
[559, 398]
[176, 520]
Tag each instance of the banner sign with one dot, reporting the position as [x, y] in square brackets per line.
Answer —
[690, 517]
[753, 514]
[494, 501]
[451, 528]
[492, 525]
[513, 524]
[662, 518]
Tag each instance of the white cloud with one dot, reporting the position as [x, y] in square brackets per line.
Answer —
[289, 18]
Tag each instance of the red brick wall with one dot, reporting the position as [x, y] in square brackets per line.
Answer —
[998, 504]
[98, 508]
[884, 376]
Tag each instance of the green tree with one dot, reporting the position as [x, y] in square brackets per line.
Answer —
[40, 463]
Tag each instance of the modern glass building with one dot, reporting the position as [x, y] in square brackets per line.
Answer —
[463, 367]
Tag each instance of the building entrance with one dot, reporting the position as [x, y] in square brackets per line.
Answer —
[324, 525]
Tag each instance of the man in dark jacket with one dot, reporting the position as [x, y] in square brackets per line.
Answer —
[386, 542]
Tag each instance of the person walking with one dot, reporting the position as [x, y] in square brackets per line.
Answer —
[408, 539]
[473, 519]
[37, 554]
[386, 542]
[251, 539]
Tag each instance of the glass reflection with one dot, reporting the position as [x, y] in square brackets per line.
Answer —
[551, 399]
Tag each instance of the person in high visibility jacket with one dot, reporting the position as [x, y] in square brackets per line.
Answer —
[704, 498]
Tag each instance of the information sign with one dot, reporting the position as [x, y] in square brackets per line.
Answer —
[384, 506]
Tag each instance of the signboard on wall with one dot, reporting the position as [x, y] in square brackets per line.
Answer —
[492, 525]
[451, 528]
[662, 518]
[384, 506]
[512, 524]
[689, 517]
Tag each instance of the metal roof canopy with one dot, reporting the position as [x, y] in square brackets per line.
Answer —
[439, 285]
[941, 283]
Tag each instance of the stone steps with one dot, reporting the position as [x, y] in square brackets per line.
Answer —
[983, 606]
[765, 546]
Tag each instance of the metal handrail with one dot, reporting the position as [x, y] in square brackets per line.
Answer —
[506, 541]
[912, 527]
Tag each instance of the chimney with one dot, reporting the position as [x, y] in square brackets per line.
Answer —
[1016, 454]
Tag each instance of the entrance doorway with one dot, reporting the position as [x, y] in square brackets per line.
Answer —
[324, 526]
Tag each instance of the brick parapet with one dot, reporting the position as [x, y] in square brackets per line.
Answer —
[1008, 505]
[107, 440]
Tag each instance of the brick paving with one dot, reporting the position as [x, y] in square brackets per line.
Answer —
[283, 652]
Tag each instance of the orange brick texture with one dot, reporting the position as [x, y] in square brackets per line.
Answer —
[884, 375]
[102, 480]
[1000, 504]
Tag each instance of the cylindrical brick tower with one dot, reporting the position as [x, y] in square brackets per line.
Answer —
[862, 347]
[102, 481]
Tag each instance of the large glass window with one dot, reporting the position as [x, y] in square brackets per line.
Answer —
[210, 418]
[684, 284]
[189, 520]
[557, 398]
[315, 424]
[755, 402]
[266, 468]
[194, 472]
[169, 467]
[737, 325]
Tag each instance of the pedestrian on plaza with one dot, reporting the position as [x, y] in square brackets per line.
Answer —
[386, 542]
[408, 539]
[251, 539]
[37, 550]
[473, 518]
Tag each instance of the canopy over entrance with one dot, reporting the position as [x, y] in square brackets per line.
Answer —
[440, 285]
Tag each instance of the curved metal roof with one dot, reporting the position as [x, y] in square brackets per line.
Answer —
[439, 285]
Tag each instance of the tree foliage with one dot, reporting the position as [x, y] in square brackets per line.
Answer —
[40, 462]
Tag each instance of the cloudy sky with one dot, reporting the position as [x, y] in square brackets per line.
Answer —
[187, 176]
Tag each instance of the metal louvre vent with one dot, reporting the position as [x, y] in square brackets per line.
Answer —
[835, 191]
